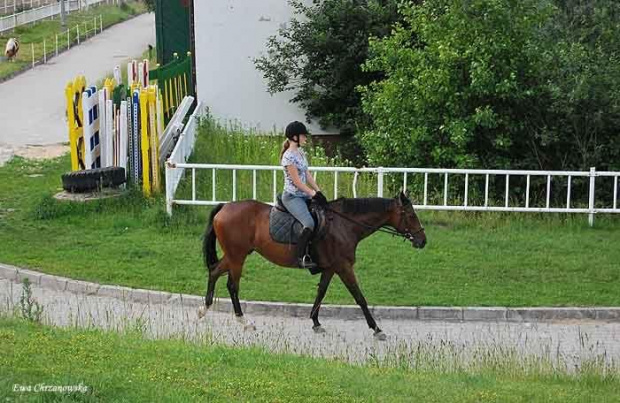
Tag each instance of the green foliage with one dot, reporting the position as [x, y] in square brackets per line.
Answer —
[583, 76]
[31, 310]
[497, 84]
[319, 56]
[461, 83]
[151, 5]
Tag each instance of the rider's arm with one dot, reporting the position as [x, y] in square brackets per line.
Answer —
[312, 182]
[292, 171]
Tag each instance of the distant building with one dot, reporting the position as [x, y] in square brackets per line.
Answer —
[224, 37]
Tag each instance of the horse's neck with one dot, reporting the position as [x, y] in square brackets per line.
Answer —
[372, 222]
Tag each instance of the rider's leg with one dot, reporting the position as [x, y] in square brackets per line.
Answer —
[299, 209]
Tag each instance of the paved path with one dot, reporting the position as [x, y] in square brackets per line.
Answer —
[460, 344]
[32, 105]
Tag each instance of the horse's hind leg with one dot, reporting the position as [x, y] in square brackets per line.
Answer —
[234, 277]
[326, 277]
[212, 278]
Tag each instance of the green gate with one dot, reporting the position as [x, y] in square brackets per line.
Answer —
[175, 81]
[173, 25]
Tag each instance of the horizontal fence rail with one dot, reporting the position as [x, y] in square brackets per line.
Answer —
[511, 199]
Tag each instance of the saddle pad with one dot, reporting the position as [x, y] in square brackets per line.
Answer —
[283, 227]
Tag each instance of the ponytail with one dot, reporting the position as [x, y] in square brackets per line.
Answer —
[285, 147]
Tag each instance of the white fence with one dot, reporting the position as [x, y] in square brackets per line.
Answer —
[64, 40]
[9, 22]
[181, 152]
[176, 167]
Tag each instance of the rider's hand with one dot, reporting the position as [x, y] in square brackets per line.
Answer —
[320, 199]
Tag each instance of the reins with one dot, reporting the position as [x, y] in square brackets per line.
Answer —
[406, 236]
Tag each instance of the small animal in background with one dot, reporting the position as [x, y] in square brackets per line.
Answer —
[12, 47]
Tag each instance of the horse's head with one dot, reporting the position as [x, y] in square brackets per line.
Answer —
[406, 222]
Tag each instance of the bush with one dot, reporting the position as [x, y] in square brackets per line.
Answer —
[497, 84]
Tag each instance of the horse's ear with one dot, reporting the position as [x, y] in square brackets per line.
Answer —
[403, 197]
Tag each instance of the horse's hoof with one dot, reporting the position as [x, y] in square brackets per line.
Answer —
[249, 327]
[380, 336]
[318, 329]
[202, 312]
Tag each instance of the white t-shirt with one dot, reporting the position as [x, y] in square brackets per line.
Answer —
[298, 159]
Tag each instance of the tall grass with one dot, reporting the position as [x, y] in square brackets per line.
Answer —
[130, 367]
[230, 144]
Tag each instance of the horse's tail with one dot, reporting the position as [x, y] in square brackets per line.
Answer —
[208, 244]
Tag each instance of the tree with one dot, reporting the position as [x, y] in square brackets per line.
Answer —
[151, 5]
[319, 56]
[584, 83]
[461, 83]
[497, 84]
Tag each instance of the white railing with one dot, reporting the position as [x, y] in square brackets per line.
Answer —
[181, 152]
[10, 22]
[11, 6]
[63, 40]
[178, 167]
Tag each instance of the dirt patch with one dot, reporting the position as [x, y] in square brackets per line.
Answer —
[32, 152]
[42, 152]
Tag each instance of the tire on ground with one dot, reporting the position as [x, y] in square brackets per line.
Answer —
[93, 179]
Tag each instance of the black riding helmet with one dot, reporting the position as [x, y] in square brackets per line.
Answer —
[295, 129]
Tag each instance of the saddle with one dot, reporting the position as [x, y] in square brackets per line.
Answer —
[284, 228]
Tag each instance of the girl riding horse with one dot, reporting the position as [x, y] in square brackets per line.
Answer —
[242, 227]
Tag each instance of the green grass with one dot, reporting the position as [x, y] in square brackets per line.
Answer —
[470, 260]
[48, 29]
[129, 367]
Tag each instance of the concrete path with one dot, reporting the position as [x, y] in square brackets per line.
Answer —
[32, 105]
[424, 343]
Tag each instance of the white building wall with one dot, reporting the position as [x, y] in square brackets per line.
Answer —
[229, 35]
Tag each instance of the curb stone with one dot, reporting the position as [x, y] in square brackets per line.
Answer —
[300, 310]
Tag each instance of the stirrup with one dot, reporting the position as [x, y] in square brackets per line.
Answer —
[306, 262]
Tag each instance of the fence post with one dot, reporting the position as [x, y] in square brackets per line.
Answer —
[56, 44]
[32, 50]
[77, 28]
[380, 182]
[169, 194]
[591, 201]
[44, 52]
[100, 23]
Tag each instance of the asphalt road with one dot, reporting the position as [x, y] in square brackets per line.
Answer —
[32, 104]
[567, 345]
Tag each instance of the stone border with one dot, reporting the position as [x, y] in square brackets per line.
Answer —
[347, 312]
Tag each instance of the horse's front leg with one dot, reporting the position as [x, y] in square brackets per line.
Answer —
[326, 278]
[348, 278]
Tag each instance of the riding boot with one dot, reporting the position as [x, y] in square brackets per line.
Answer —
[304, 260]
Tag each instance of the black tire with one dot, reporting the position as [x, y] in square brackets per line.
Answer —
[93, 179]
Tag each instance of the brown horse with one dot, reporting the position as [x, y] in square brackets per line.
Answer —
[243, 227]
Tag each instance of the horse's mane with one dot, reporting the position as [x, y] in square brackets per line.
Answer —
[363, 205]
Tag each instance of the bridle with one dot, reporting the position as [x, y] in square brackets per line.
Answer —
[406, 234]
